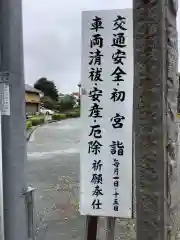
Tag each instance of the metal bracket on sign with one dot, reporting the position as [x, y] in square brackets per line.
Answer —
[29, 199]
[4, 77]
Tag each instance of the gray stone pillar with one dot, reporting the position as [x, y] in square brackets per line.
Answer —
[155, 51]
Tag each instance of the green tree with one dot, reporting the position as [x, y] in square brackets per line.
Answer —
[66, 103]
[48, 103]
[48, 88]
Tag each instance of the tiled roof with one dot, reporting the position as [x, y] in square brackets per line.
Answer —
[29, 88]
[75, 94]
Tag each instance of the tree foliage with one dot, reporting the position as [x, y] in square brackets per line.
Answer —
[48, 103]
[48, 88]
[66, 103]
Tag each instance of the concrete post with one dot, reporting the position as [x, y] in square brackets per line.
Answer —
[173, 179]
[1, 191]
[13, 126]
[155, 50]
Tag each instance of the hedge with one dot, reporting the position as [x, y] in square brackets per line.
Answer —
[37, 121]
[60, 116]
[73, 114]
[28, 124]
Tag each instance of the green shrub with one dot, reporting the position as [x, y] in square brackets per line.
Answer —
[74, 114]
[58, 116]
[61, 116]
[28, 124]
[37, 120]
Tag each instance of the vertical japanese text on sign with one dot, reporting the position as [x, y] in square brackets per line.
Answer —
[106, 113]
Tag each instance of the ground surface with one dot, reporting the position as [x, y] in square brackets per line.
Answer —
[53, 169]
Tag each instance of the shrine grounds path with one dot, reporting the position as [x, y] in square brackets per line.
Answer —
[53, 169]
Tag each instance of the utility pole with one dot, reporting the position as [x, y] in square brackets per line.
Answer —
[1, 191]
[155, 58]
[14, 152]
[79, 94]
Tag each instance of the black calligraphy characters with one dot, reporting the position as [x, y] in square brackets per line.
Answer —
[96, 110]
[119, 23]
[119, 40]
[116, 165]
[118, 74]
[96, 24]
[117, 121]
[118, 57]
[95, 94]
[95, 57]
[117, 148]
[97, 40]
[107, 118]
[97, 165]
[118, 95]
[96, 131]
[95, 75]
[94, 147]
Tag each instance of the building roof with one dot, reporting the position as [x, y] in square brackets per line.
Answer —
[29, 88]
[75, 94]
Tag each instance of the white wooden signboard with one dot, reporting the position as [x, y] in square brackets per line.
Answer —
[107, 113]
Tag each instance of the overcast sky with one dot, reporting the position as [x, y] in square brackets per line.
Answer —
[52, 38]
